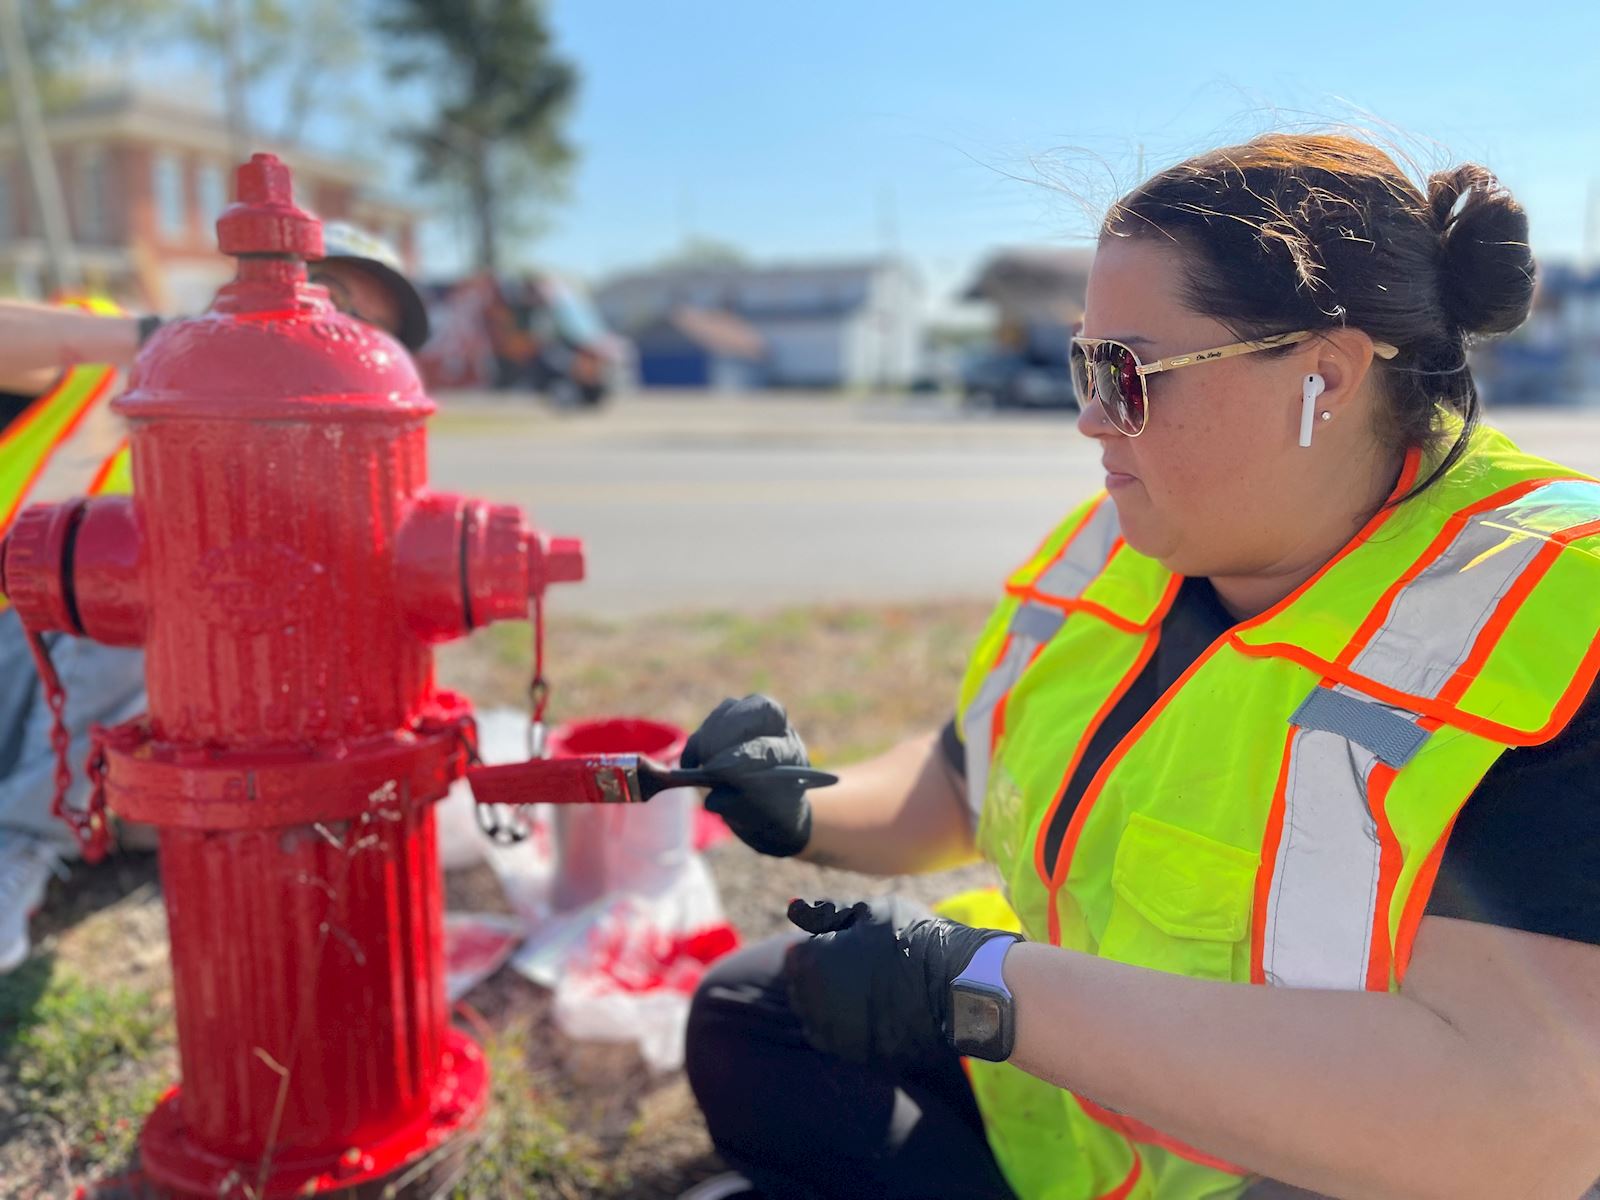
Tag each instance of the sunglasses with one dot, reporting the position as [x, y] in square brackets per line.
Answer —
[1111, 374]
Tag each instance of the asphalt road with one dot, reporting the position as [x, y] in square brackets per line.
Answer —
[760, 502]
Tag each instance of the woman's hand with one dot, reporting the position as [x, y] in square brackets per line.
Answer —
[769, 815]
[873, 982]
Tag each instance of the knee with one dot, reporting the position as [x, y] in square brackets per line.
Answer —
[741, 1001]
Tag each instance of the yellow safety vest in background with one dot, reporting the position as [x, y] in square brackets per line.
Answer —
[1278, 816]
[67, 442]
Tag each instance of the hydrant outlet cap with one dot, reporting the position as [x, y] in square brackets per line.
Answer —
[564, 560]
[264, 218]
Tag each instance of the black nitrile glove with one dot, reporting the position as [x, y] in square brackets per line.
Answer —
[873, 984]
[740, 737]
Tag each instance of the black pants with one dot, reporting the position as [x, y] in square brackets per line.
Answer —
[803, 1125]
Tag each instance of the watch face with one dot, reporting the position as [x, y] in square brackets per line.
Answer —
[977, 1017]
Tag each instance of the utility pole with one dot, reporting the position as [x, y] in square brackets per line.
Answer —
[886, 310]
[61, 257]
[233, 82]
[1591, 226]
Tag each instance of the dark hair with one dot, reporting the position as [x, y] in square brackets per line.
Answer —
[1321, 231]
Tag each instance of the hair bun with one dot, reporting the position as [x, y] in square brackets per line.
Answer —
[1486, 283]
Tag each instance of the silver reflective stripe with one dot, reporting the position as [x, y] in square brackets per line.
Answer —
[1085, 558]
[1321, 908]
[1438, 616]
[1031, 626]
[1325, 878]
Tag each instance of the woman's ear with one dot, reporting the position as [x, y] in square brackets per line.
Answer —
[1343, 358]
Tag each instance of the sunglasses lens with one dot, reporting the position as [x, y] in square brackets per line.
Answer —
[1078, 357]
[1108, 372]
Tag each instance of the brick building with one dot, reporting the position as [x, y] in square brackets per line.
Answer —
[144, 177]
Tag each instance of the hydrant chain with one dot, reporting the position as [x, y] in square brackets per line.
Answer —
[88, 825]
[287, 571]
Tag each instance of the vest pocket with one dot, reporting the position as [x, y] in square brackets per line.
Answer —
[1180, 900]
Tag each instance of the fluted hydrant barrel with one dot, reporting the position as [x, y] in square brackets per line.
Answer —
[287, 572]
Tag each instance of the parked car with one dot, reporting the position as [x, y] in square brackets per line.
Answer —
[1006, 379]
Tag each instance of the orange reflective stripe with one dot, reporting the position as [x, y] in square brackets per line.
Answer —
[1578, 532]
[1042, 835]
[999, 721]
[1496, 626]
[1269, 857]
[1034, 575]
[1063, 864]
[1435, 550]
[1125, 1189]
[1028, 596]
[1390, 861]
[1069, 843]
[1417, 902]
[1136, 1130]
[47, 424]
[1072, 604]
[114, 465]
[1084, 520]
[38, 413]
[1408, 473]
[1446, 714]
[1000, 655]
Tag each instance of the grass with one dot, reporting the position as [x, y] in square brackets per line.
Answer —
[855, 679]
[73, 1057]
[524, 1146]
[86, 1037]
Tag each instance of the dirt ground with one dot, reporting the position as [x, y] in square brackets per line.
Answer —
[86, 1038]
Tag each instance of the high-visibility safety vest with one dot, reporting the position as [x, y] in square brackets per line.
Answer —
[1278, 816]
[67, 442]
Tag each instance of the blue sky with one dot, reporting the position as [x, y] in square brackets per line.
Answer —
[831, 129]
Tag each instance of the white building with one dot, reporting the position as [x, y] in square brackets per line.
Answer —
[853, 325]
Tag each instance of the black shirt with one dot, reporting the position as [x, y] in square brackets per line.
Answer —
[12, 406]
[1525, 852]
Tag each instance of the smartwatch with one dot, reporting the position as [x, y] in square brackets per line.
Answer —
[982, 1017]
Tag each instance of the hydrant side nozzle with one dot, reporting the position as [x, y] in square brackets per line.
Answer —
[564, 562]
[38, 565]
[106, 572]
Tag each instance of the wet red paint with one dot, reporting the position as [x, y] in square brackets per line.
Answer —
[286, 572]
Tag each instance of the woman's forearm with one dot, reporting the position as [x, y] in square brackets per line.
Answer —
[1348, 1093]
[36, 338]
[898, 814]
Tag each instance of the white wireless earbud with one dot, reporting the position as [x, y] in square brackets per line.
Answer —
[1308, 406]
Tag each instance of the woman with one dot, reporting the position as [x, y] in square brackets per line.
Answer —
[1301, 702]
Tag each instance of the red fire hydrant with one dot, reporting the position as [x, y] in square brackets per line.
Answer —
[287, 572]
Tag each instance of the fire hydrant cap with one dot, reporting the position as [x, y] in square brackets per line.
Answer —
[564, 561]
[264, 219]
